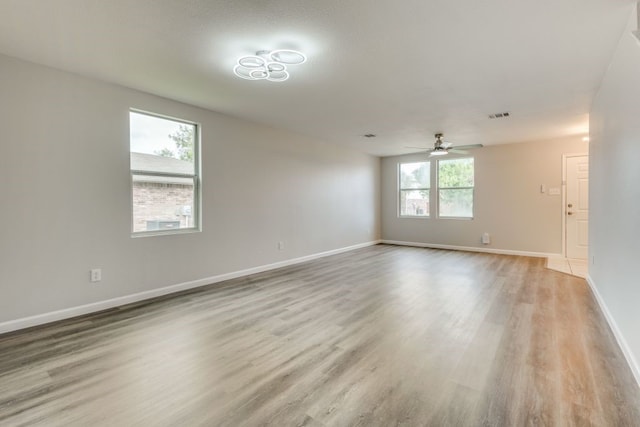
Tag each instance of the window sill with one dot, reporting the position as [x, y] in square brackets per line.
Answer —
[165, 232]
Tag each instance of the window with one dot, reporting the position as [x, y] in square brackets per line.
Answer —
[455, 188]
[164, 174]
[414, 188]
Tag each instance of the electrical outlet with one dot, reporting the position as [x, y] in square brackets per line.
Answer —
[486, 238]
[96, 275]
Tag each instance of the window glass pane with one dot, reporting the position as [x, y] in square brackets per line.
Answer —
[164, 173]
[414, 202]
[158, 141]
[162, 203]
[456, 203]
[455, 173]
[414, 175]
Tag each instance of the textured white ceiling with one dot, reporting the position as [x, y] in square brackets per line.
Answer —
[401, 69]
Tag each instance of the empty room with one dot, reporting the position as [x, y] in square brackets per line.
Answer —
[319, 213]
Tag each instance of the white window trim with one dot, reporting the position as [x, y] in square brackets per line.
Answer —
[473, 192]
[400, 190]
[196, 176]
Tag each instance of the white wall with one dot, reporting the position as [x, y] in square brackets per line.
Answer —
[614, 227]
[508, 203]
[64, 174]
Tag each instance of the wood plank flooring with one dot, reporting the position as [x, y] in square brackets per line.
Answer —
[381, 336]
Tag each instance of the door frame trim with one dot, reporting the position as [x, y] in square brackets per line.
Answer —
[563, 211]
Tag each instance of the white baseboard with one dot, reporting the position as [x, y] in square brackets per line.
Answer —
[628, 354]
[40, 319]
[472, 249]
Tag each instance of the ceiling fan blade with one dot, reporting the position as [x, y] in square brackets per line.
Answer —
[447, 144]
[455, 150]
[464, 147]
[420, 148]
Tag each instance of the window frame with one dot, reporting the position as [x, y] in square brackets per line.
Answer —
[196, 178]
[472, 188]
[401, 189]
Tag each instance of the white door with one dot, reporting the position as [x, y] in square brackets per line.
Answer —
[577, 207]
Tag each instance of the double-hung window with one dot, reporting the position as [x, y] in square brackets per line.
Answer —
[414, 181]
[165, 174]
[455, 188]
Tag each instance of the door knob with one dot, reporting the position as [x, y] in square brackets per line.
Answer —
[569, 213]
[570, 205]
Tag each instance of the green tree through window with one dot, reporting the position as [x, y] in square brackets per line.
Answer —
[184, 140]
[455, 188]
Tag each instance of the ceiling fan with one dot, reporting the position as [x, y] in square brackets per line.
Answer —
[442, 148]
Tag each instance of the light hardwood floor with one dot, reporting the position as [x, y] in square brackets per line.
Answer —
[381, 336]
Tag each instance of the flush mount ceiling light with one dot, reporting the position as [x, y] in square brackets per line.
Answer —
[268, 65]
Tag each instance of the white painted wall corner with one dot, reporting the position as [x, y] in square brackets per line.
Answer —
[622, 342]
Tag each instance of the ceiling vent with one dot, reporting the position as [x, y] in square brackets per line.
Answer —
[499, 115]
